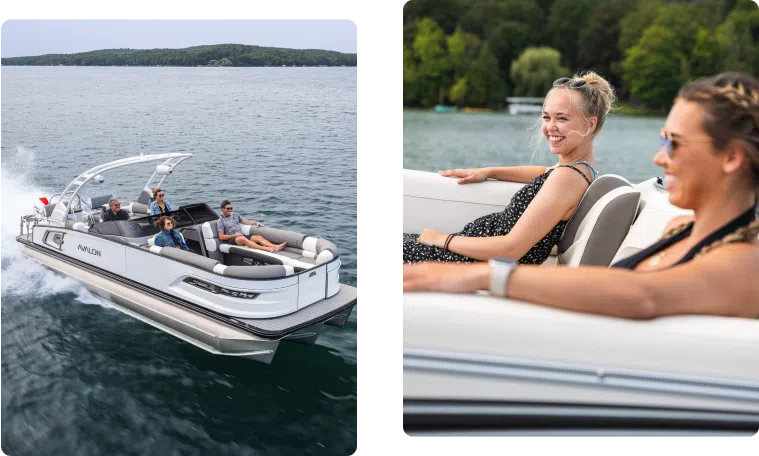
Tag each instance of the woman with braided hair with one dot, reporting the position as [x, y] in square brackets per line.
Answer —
[707, 263]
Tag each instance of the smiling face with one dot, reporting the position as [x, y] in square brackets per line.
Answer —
[159, 196]
[563, 126]
[167, 224]
[694, 167]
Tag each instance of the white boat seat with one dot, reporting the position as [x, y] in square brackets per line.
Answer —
[139, 208]
[600, 223]
[209, 264]
[302, 251]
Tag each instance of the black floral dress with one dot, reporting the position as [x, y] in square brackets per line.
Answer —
[496, 224]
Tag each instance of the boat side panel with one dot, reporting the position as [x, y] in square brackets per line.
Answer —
[276, 297]
[312, 287]
[93, 250]
[333, 279]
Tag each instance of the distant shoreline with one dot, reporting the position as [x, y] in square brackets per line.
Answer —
[218, 55]
[186, 66]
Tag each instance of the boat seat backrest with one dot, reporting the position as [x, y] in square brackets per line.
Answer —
[210, 264]
[100, 201]
[145, 197]
[139, 208]
[600, 223]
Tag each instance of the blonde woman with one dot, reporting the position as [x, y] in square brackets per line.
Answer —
[574, 112]
[704, 264]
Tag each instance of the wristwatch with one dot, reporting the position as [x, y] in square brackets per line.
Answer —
[500, 270]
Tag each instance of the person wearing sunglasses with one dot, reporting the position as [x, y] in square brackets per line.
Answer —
[159, 206]
[573, 114]
[230, 231]
[703, 264]
[115, 212]
[169, 237]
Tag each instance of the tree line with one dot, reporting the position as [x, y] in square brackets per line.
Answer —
[477, 52]
[237, 55]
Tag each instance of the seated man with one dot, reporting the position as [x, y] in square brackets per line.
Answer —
[230, 231]
[115, 213]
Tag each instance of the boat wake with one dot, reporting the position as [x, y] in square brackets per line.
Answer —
[20, 275]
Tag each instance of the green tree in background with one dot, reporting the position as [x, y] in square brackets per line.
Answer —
[637, 21]
[567, 20]
[685, 20]
[645, 48]
[535, 70]
[463, 49]
[484, 83]
[739, 38]
[655, 68]
[706, 55]
[593, 49]
[429, 49]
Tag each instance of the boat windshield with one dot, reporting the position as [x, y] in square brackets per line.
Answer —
[193, 214]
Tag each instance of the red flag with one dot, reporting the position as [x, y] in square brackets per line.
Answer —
[44, 201]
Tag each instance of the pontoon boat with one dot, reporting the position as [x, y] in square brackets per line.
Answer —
[226, 299]
[481, 365]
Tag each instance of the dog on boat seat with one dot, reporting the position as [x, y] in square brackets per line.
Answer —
[600, 223]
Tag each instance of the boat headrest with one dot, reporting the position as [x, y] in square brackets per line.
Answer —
[608, 211]
[600, 187]
[100, 201]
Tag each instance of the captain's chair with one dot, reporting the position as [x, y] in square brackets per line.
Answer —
[600, 224]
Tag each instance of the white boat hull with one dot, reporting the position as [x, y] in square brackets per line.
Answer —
[475, 360]
[204, 330]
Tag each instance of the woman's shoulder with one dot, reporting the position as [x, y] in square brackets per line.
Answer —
[676, 222]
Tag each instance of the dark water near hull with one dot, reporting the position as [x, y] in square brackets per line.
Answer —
[81, 378]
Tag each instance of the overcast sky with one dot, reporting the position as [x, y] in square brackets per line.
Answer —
[27, 37]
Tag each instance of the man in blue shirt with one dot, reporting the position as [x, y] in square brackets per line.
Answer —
[230, 231]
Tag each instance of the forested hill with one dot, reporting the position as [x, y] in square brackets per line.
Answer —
[237, 55]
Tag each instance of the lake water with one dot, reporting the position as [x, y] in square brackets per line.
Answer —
[81, 378]
[434, 141]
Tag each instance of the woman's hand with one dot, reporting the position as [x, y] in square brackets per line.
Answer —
[446, 277]
[468, 176]
[432, 237]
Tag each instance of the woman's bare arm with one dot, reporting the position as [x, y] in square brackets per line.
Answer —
[560, 194]
[720, 283]
[521, 174]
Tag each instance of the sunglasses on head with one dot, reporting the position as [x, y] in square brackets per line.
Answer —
[576, 84]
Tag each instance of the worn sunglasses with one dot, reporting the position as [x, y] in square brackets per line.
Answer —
[228, 208]
[670, 144]
[160, 194]
[576, 84]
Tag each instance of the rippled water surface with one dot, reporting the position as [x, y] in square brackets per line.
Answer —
[79, 377]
